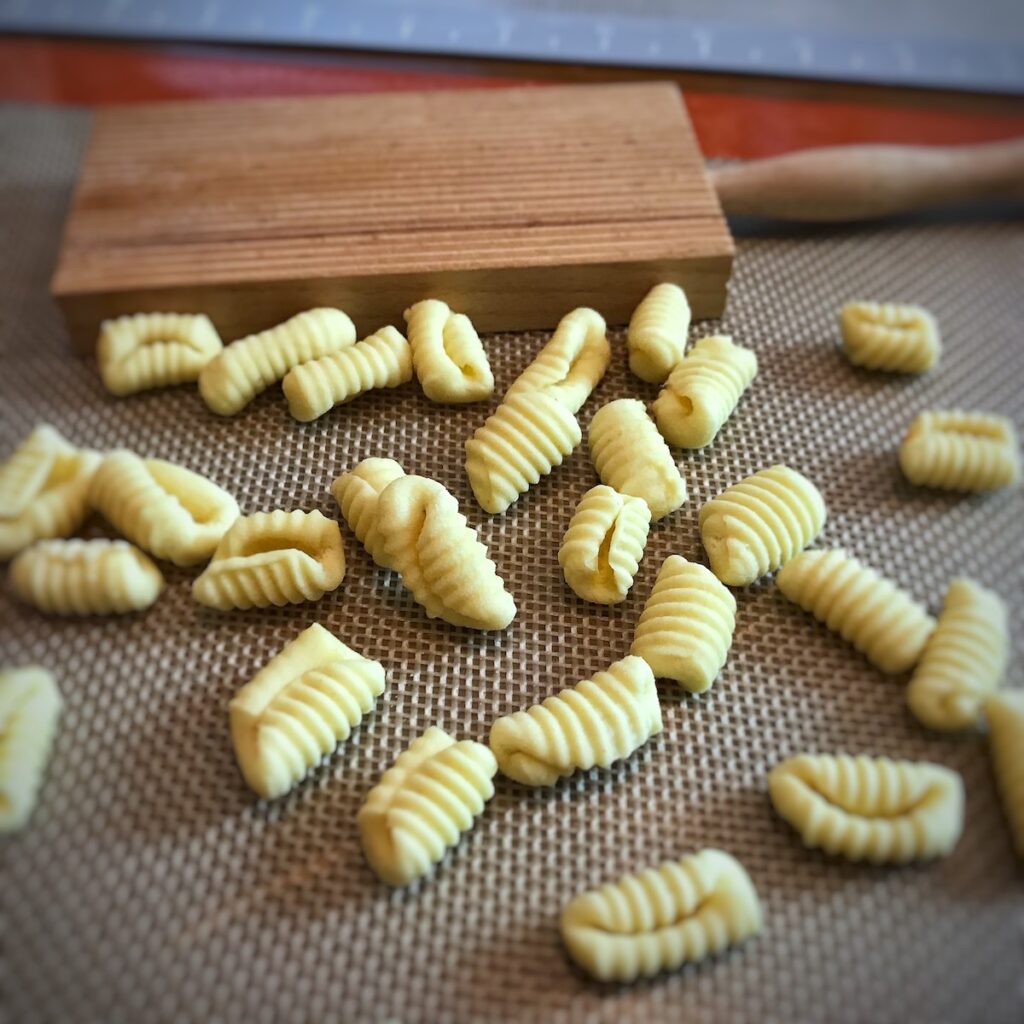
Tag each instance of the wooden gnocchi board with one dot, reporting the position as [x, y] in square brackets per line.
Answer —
[514, 205]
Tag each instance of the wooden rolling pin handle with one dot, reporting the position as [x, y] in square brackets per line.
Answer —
[861, 182]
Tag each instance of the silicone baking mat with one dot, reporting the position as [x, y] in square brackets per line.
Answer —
[151, 885]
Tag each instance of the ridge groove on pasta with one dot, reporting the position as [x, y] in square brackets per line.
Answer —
[882, 621]
[1005, 715]
[383, 360]
[44, 490]
[964, 659]
[867, 808]
[760, 523]
[680, 912]
[85, 577]
[30, 706]
[657, 332]
[304, 702]
[630, 455]
[686, 628]
[273, 558]
[703, 390]
[357, 493]
[960, 451]
[571, 364]
[231, 380]
[423, 803]
[603, 544]
[449, 359]
[441, 560]
[164, 508]
[524, 439]
[886, 336]
[596, 722]
[154, 350]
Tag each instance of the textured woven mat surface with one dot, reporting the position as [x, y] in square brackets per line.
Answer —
[151, 885]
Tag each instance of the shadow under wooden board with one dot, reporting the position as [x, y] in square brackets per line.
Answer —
[513, 205]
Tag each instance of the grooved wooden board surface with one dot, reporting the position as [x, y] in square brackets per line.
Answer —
[510, 204]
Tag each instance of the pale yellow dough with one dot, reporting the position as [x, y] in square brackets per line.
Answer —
[657, 332]
[1005, 714]
[884, 336]
[357, 492]
[449, 359]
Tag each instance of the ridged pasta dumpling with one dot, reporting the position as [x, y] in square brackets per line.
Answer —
[356, 493]
[882, 621]
[657, 332]
[630, 455]
[963, 661]
[449, 359]
[423, 803]
[598, 721]
[888, 336]
[867, 808]
[304, 702]
[680, 912]
[760, 523]
[1005, 715]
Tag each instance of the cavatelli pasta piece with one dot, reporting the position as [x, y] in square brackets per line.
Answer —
[85, 577]
[1005, 714]
[383, 360]
[679, 912]
[868, 808]
[596, 722]
[357, 491]
[685, 630]
[426, 538]
[44, 490]
[304, 702]
[703, 390]
[231, 380]
[165, 509]
[604, 543]
[30, 706]
[630, 455]
[657, 332]
[760, 523]
[963, 660]
[449, 359]
[572, 363]
[961, 451]
[154, 350]
[423, 803]
[882, 621]
[521, 441]
[273, 558]
[884, 336]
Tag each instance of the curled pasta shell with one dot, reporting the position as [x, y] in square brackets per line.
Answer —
[884, 336]
[760, 523]
[383, 360]
[426, 538]
[685, 630]
[882, 621]
[165, 509]
[703, 390]
[961, 451]
[1005, 714]
[657, 332]
[357, 491]
[604, 543]
[450, 361]
[522, 440]
[630, 455]
[423, 803]
[30, 706]
[867, 808]
[273, 558]
[304, 702]
[44, 490]
[85, 577]
[231, 380]
[596, 722]
[659, 919]
[963, 660]
[154, 350]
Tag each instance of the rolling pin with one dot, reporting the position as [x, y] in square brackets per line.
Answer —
[842, 183]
